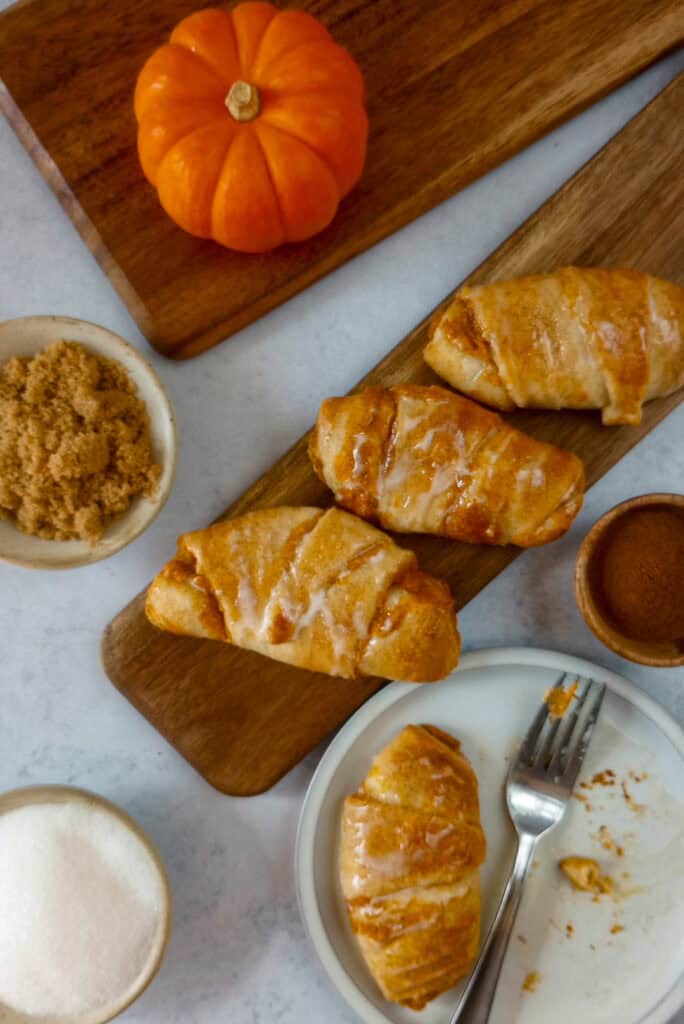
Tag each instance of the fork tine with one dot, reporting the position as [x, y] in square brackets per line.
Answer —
[574, 755]
[529, 745]
[545, 748]
[567, 724]
[546, 753]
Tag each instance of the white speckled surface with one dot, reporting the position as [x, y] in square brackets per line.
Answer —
[239, 953]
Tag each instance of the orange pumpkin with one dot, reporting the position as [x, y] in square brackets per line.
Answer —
[251, 125]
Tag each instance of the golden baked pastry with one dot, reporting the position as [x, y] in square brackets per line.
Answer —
[319, 589]
[410, 850]
[579, 338]
[422, 459]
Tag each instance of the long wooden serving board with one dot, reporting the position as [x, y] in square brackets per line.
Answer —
[243, 720]
[454, 88]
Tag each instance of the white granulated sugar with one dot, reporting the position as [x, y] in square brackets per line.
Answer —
[80, 909]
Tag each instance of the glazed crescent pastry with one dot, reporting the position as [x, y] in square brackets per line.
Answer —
[422, 459]
[410, 849]
[321, 590]
[575, 339]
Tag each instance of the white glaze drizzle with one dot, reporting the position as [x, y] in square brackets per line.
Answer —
[357, 454]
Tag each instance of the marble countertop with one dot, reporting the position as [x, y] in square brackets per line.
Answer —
[239, 952]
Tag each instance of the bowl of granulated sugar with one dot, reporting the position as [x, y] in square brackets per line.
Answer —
[85, 908]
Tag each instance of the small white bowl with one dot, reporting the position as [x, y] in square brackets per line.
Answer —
[29, 335]
[51, 795]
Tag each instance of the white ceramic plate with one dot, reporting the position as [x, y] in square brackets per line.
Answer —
[597, 975]
[31, 334]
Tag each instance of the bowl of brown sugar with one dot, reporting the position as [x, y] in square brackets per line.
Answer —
[629, 579]
[87, 442]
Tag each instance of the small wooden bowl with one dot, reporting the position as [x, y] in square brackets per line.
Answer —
[50, 795]
[29, 335]
[659, 655]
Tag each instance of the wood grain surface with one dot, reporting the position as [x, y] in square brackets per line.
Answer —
[243, 720]
[454, 88]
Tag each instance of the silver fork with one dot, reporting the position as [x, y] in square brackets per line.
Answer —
[540, 782]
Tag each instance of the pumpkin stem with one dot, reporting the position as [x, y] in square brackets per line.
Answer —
[243, 101]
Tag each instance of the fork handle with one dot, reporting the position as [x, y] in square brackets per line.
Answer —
[475, 1004]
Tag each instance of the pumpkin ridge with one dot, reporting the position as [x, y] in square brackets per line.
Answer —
[271, 68]
[227, 27]
[267, 165]
[257, 52]
[308, 90]
[304, 142]
[246, 67]
[295, 45]
[311, 149]
[200, 128]
[202, 60]
[181, 138]
[155, 76]
[184, 136]
[266, 71]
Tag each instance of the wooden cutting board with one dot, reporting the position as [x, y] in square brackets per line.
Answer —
[454, 88]
[243, 720]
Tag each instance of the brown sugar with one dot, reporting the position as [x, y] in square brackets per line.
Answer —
[75, 446]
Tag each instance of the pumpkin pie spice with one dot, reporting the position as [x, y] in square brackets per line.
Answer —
[75, 446]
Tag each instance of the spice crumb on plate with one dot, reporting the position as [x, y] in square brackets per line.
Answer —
[75, 446]
[602, 778]
[531, 982]
[584, 873]
[558, 699]
[583, 800]
[631, 802]
[608, 843]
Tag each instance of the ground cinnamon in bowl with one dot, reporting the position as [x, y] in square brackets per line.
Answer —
[75, 447]
[629, 579]
[637, 574]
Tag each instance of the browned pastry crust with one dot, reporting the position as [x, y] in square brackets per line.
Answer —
[579, 338]
[410, 849]
[319, 589]
[422, 459]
